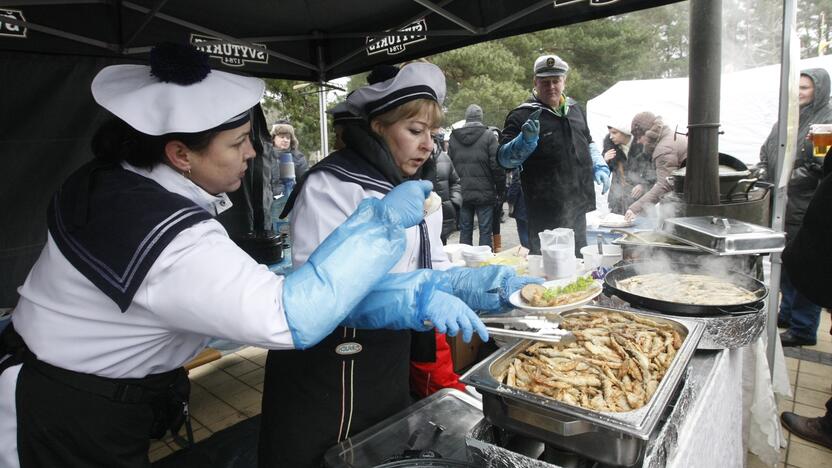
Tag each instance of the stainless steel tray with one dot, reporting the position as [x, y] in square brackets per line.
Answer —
[616, 438]
[724, 236]
[440, 422]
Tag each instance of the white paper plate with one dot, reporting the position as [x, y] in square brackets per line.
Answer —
[518, 302]
[612, 220]
[617, 224]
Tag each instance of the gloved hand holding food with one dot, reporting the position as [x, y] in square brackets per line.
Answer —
[486, 288]
[406, 202]
[432, 204]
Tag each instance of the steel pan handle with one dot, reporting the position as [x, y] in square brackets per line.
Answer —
[557, 424]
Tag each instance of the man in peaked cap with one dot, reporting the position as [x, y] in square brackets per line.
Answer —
[549, 137]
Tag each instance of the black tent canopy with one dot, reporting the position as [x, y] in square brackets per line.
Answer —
[310, 40]
[51, 49]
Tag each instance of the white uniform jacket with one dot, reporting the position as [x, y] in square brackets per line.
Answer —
[201, 285]
[326, 201]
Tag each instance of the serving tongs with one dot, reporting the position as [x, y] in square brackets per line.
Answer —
[529, 327]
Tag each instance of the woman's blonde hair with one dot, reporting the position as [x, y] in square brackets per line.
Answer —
[430, 108]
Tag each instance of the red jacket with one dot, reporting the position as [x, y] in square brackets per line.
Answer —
[427, 378]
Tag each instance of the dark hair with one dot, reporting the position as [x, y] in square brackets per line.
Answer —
[115, 141]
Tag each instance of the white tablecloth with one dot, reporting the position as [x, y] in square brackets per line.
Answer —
[735, 412]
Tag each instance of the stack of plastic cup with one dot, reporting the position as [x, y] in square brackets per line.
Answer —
[474, 256]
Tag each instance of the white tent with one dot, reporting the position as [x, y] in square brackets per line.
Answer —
[748, 105]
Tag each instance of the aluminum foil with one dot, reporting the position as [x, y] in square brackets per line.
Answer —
[721, 332]
[483, 450]
[662, 446]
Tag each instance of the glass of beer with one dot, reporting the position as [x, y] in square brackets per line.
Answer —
[821, 139]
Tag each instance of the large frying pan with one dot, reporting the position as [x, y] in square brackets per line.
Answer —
[626, 271]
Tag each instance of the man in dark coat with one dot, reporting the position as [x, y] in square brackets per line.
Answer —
[446, 184]
[548, 135]
[809, 257]
[797, 313]
[473, 150]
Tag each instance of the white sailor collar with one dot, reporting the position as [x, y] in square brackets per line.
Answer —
[175, 182]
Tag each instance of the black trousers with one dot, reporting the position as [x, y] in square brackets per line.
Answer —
[543, 216]
[69, 419]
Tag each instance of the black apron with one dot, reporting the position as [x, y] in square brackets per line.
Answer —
[316, 398]
[69, 419]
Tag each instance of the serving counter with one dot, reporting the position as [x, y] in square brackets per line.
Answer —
[704, 427]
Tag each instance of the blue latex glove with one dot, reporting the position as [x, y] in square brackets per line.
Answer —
[450, 315]
[407, 201]
[531, 127]
[405, 300]
[486, 288]
[515, 152]
[343, 270]
[600, 168]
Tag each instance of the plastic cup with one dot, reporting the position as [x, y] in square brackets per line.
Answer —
[821, 139]
[535, 265]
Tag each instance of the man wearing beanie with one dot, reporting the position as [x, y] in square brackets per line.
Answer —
[473, 150]
[666, 149]
[548, 136]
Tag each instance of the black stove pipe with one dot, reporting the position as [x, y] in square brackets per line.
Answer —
[705, 68]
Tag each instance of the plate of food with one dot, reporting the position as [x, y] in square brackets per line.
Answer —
[557, 295]
[613, 220]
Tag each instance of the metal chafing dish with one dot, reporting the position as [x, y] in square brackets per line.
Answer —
[656, 246]
[613, 438]
[724, 236]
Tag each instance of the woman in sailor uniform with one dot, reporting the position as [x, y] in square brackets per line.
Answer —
[137, 275]
[316, 398]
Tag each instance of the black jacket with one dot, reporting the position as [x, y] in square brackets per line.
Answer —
[808, 255]
[559, 171]
[628, 170]
[447, 186]
[473, 150]
[806, 174]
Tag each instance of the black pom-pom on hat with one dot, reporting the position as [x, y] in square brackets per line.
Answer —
[182, 64]
[382, 73]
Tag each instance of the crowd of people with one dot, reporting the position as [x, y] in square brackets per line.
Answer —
[105, 322]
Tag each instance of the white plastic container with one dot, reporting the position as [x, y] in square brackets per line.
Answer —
[593, 260]
[559, 262]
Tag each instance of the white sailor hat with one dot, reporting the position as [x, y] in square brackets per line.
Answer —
[550, 65]
[177, 93]
[416, 80]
